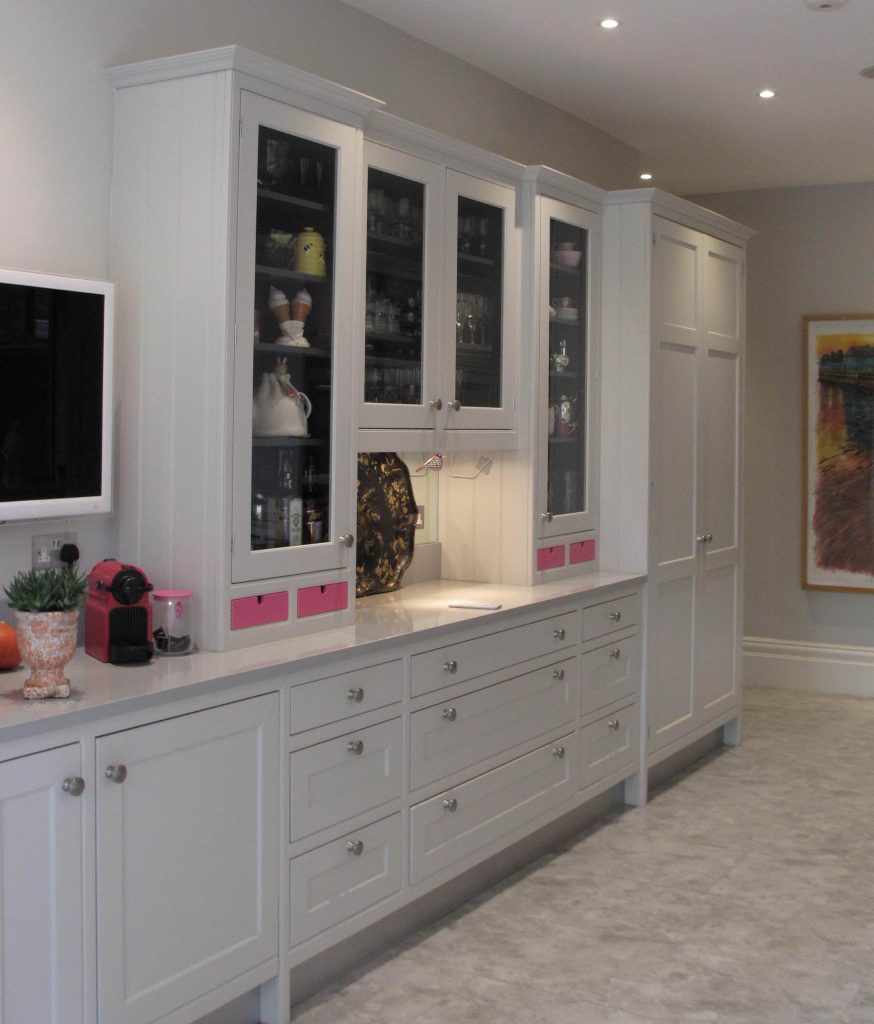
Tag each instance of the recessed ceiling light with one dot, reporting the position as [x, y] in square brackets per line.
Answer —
[824, 5]
[767, 94]
[646, 176]
[609, 23]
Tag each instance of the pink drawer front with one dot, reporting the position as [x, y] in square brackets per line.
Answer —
[332, 597]
[259, 610]
[550, 558]
[582, 551]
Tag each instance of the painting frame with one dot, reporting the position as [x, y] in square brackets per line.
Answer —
[838, 471]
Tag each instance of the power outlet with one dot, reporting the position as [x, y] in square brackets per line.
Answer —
[46, 549]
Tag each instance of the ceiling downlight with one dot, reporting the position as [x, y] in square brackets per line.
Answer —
[609, 23]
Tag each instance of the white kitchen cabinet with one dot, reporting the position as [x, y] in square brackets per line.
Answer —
[42, 890]
[237, 188]
[187, 860]
[674, 324]
[441, 304]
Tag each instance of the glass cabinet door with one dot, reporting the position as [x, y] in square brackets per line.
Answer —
[290, 500]
[480, 230]
[402, 290]
[566, 315]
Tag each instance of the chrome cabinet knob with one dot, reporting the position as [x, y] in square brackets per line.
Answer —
[615, 616]
[437, 404]
[355, 747]
[559, 633]
[455, 405]
[546, 517]
[450, 803]
[450, 666]
[708, 537]
[74, 785]
[355, 694]
[347, 540]
[558, 673]
[355, 846]
[558, 752]
[450, 714]
[701, 538]
[613, 723]
[616, 653]
[116, 773]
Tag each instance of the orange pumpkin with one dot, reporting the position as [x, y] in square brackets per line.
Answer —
[9, 656]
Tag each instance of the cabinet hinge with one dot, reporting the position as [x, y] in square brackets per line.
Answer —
[653, 238]
[232, 545]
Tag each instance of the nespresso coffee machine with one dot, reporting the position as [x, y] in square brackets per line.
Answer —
[118, 615]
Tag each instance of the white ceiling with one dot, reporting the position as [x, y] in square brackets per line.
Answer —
[679, 79]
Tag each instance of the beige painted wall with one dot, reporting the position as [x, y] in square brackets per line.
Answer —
[56, 124]
[813, 254]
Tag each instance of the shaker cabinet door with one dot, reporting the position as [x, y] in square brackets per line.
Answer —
[41, 889]
[187, 847]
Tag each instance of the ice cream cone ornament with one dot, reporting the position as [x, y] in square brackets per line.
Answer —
[290, 316]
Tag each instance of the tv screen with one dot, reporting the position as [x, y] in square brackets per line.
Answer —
[55, 395]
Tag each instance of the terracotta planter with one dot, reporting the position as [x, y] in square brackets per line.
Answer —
[47, 641]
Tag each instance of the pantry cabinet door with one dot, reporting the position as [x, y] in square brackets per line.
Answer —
[41, 889]
[187, 848]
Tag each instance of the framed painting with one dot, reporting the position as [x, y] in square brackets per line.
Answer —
[839, 452]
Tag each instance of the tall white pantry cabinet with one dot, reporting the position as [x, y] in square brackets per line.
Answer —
[674, 316]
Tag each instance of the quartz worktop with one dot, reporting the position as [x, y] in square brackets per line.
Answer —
[420, 610]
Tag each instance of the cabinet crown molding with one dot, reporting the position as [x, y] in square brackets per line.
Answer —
[248, 62]
[563, 187]
[685, 212]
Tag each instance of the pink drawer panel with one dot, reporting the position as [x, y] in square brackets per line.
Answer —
[582, 551]
[550, 558]
[330, 597]
[259, 610]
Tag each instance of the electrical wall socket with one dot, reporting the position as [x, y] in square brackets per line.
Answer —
[46, 549]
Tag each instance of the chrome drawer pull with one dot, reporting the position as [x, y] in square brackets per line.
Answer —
[616, 653]
[436, 404]
[74, 785]
[450, 666]
[450, 714]
[355, 694]
[455, 405]
[613, 723]
[116, 773]
[558, 752]
[546, 517]
[559, 633]
[450, 803]
[355, 747]
[558, 673]
[615, 616]
[355, 846]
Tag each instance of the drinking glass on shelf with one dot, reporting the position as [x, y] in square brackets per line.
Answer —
[483, 231]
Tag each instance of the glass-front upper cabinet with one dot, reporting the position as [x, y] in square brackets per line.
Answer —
[568, 475]
[402, 285]
[294, 329]
[480, 312]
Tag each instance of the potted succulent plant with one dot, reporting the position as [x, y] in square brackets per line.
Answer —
[46, 604]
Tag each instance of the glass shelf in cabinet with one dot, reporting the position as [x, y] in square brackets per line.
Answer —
[288, 442]
[391, 361]
[285, 199]
[395, 339]
[292, 350]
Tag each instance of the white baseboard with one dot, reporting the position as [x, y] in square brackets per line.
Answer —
[813, 668]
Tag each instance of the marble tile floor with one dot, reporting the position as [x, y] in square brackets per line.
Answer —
[743, 893]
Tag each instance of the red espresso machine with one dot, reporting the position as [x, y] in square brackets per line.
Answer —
[118, 614]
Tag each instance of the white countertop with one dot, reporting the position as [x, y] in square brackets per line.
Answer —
[423, 608]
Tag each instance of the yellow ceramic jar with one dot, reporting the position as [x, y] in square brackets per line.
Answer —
[309, 253]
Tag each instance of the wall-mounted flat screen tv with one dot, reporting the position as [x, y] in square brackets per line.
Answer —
[55, 395]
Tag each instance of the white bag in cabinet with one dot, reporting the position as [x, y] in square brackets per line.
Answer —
[278, 408]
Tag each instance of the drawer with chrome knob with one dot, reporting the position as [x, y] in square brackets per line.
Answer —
[560, 633]
[450, 666]
[355, 694]
[355, 846]
[355, 747]
[450, 714]
[450, 803]
[558, 751]
[558, 673]
[613, 723]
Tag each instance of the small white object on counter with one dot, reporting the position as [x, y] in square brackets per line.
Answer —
[491, 606]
